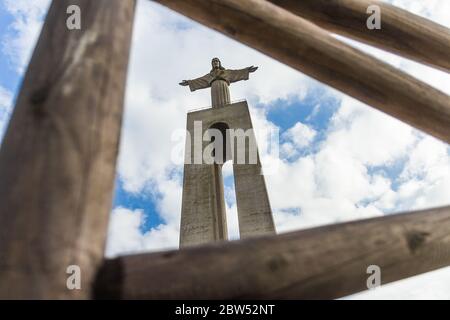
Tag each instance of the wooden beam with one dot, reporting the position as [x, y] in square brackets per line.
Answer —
[401, 32]
[321, 263]
[315, 52]
[57, 160]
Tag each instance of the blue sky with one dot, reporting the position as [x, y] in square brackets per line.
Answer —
[9, 79]
[339, 159]
[143, 201]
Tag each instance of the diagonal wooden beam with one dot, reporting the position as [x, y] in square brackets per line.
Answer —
[401, 32]
[321, 263]
[57, 160]
[315, 52]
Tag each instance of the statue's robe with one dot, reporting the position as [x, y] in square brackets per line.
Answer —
[219, 80]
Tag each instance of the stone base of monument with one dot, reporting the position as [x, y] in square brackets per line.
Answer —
[203, 215]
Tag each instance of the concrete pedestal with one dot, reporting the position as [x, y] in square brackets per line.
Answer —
[203, 215]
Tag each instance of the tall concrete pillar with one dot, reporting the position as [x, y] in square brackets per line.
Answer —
[203, 216]
[254, 213]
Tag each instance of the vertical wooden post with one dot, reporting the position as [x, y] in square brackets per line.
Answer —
[57, 160]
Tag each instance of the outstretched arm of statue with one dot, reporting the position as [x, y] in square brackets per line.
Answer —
[199, 83]
[241, 74]
[252, 69]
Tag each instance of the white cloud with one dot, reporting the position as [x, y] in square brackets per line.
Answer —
[426, 175]
[230, 202]
[22, 34]
[5, 109]
[369, 135]
[298, 137]
[125, 237]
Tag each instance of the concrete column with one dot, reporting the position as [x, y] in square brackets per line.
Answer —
[203, 217]
[254, 213]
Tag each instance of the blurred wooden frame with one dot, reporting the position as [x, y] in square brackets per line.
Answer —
[58, 157]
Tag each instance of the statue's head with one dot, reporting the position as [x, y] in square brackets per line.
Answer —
[216, 64]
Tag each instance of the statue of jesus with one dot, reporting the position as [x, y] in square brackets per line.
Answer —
[219, 79]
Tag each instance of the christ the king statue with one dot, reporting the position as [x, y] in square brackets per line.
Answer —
[218, 79]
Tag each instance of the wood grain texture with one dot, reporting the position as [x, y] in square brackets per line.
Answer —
[314, 51]
[320, 263]
[401, 32]
[57, 160]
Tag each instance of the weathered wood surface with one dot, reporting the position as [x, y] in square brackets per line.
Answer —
[57, 160]
[401, 32]
[312, 50]
[320, 263]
